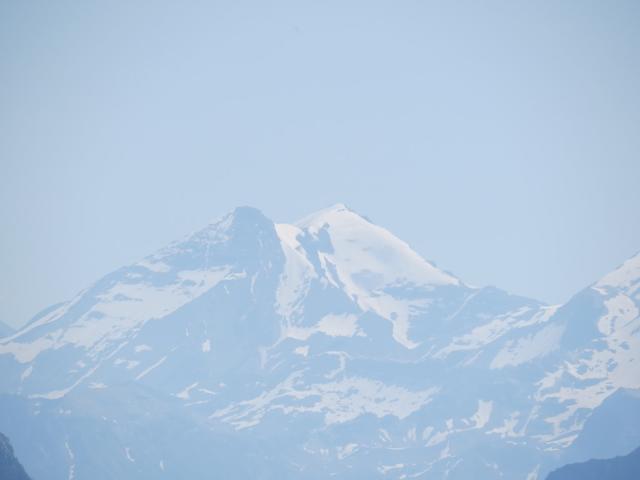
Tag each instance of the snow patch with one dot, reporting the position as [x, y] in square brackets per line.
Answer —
[127, 452]
[152, 367]
[26, 373]
[483, 414]
[186, 393]
[72, 463]
[304, 351]
[526, 349]
[621, 310]
[498, 327]
[367, 260]
[120, 309]
[297, 274]
[332, 325]
[156, 267]
[347, 450]
[625, 276]
[339, 401]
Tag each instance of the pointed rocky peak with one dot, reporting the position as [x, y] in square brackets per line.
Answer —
[244, 229]
[247, 223]
[242, 218]
[249, 215]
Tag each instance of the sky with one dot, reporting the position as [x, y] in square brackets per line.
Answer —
[500, 139]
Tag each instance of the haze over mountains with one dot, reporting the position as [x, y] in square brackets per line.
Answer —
[328, 347]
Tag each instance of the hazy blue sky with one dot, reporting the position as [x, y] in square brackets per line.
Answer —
[500, 139]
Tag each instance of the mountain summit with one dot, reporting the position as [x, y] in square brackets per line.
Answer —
[322, 348]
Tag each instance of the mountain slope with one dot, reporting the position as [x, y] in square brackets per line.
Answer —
[5, 330]
[322, 348]
[611, 429]
[619, 468]
[10, 468]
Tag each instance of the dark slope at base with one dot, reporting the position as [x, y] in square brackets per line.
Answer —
[10, 468]
[618, 468]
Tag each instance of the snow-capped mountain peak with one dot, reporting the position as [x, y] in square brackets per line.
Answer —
[376, 363]
[358, 242]
[370, 264]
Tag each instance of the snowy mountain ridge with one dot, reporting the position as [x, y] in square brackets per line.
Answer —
[330, 335]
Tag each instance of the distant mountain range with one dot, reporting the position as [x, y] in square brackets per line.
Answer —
[327, 348]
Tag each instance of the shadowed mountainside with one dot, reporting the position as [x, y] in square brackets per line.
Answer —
[10, 468]
[619, 468]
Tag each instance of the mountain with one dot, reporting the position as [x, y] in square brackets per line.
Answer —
[10, 468]
[618, 468]
[322, 348]
[5, 330]
[611, 429]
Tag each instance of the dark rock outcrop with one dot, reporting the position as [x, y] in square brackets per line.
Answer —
[10, 468]
[617, 468]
